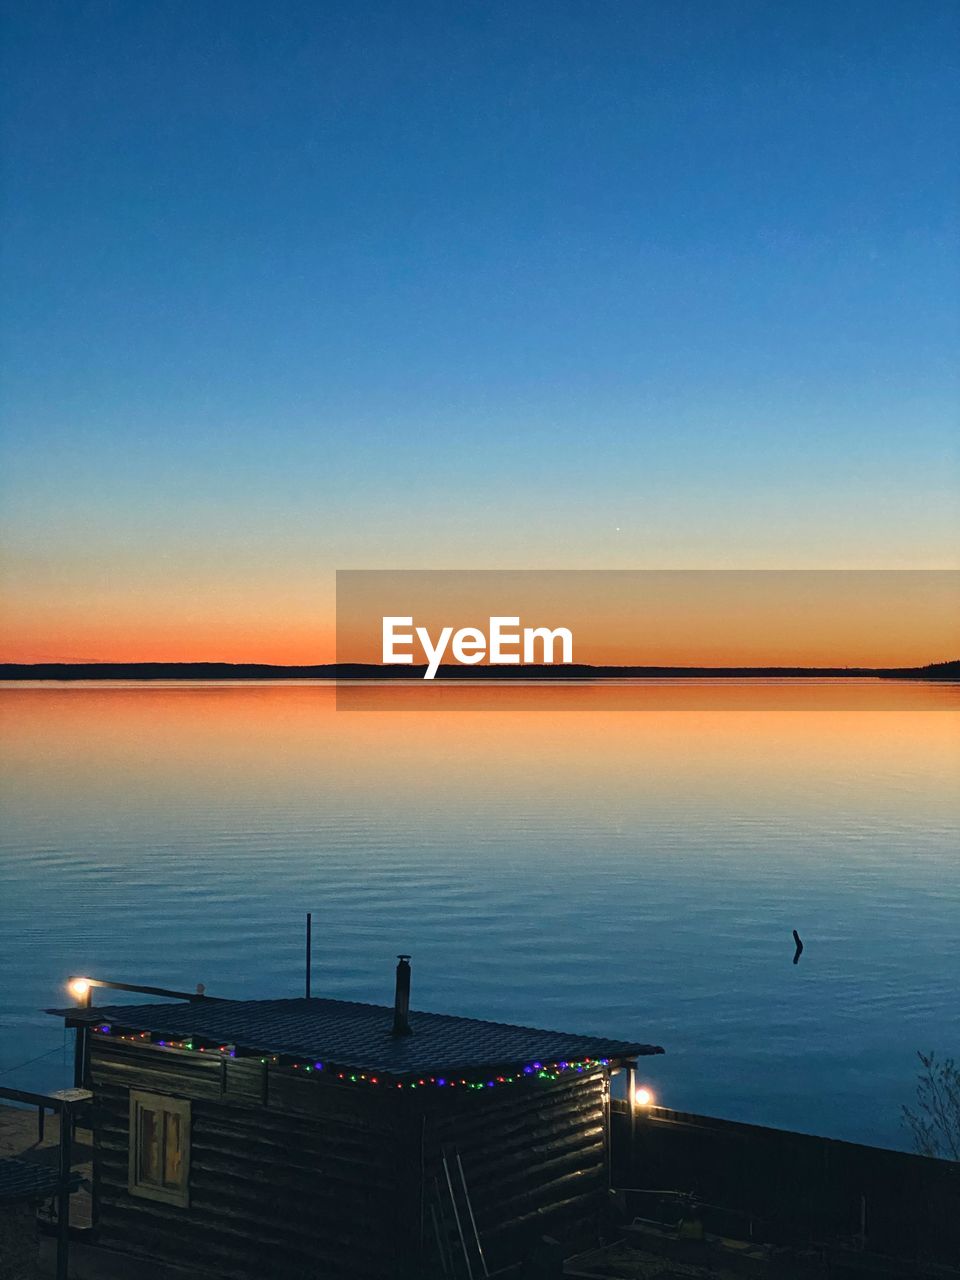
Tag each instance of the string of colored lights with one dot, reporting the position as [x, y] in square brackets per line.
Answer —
[531, 1071]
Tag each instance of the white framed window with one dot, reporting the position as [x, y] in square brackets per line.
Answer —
[159, 1167]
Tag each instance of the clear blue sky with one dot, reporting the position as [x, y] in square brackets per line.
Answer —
[295, 286]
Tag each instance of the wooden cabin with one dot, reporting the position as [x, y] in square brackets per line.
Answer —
[326, 1138]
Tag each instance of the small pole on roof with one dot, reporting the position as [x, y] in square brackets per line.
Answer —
[309, 950]
[401, 999]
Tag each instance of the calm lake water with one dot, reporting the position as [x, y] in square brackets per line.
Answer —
[631, 872]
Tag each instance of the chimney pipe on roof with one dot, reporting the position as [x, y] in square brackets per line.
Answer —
[401, 1001]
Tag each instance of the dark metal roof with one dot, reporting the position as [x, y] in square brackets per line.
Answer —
[22, 1181]
[345, 1033]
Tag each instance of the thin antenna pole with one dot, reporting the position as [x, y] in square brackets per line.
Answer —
[473, 1221]
[456, 1217]
[309, 951]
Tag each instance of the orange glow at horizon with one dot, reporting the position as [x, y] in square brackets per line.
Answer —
[303, 642]
[708, 620]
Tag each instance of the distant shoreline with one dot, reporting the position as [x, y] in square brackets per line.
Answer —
[213, 671]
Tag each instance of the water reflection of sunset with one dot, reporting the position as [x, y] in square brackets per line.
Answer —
[249, 739]
[544, 867]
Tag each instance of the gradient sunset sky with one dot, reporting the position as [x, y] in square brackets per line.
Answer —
[294, 287]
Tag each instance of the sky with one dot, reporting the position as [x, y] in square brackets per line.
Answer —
[293, 288]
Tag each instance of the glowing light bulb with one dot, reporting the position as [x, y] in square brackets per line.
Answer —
[79, 988]
[644, 1097]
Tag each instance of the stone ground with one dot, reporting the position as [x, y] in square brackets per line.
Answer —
[18, 1137]
[19, 1244]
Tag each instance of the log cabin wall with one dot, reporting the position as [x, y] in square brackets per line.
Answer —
[535, 1157]
[288, 1177]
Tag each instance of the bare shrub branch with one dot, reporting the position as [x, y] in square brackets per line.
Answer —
[935, 1123]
